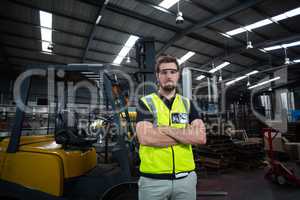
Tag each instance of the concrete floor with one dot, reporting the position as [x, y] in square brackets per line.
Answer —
[246, 185]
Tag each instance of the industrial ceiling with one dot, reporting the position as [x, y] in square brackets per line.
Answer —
[77, 38]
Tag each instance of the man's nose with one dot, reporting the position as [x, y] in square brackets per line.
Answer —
[169, 74]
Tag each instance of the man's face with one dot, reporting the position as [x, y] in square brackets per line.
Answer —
[168, 76]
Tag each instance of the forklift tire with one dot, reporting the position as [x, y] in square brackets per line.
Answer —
[127, 191]
[128, 195]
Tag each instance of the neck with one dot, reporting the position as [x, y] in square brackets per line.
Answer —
[167, 94]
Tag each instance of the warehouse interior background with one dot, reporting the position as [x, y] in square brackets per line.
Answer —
[249, 48]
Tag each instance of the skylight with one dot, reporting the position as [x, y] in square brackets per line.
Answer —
[296, 61]
[213, 70]
[168, 3]
[264, 22]
[98, 19]
[124, 51]
[292, 44]
[187, 56]
[241, 78]
[288, 14]
[221, 66]
[264, 82]
[46, 31]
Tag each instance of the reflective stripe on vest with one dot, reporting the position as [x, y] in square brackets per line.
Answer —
[159, 160]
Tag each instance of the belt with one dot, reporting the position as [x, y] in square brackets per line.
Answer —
[166, 176]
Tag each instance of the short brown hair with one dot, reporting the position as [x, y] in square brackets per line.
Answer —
[165, 59]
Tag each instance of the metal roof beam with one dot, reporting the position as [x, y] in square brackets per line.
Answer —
[94, 28]
[96, 39]
[207, 22]
[204, 39]
[58, 54]
[28, 5]
[241, 50]
[143, 18]
[58, 44]
[115, 9]
[199, 38]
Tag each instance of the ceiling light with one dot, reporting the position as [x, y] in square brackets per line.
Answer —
[265, 22]
[179, 17]
[296, 61]
[248, 82]
[292, 44]
[287, 61]
[98, 19]
[241, 78]
[272, 48]
[262, 50]
[200, 77]
[87, 72]
[226, 35]
[249, 43]
[187, 56]
[124, 51]
[264, 82]
[286, 58]
[258, 24]
[128, 59]
[213, 70]
[286, 15]
[224, 64]
[236, 31]
[220, 78]
[45, 48]
[168, 3]
[278, 18]
[293, 12]
[251, 73]
[46, 31]
[235, 80]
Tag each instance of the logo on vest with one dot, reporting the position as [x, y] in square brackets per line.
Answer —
[180, 118]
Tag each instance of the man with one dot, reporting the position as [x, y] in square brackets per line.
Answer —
[167, 126]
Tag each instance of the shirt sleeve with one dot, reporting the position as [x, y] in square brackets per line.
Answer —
[193, 113]
[143, 113]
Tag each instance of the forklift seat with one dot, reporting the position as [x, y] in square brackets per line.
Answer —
[70, 137]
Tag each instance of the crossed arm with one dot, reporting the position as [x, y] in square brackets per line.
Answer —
[166, 136]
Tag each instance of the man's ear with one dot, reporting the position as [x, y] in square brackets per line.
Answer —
[157, 78]
[156, 75]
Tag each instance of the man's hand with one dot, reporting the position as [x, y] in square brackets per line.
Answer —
[151, 136]
[193, 134]
[166, 136]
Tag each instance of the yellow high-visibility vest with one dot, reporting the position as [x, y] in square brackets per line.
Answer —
[173, 159]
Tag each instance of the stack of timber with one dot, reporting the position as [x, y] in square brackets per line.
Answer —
[217, 154]
[249, 153]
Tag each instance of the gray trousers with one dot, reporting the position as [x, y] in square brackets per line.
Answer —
[178, 189]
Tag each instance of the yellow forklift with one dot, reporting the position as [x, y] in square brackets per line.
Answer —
[64, 165]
